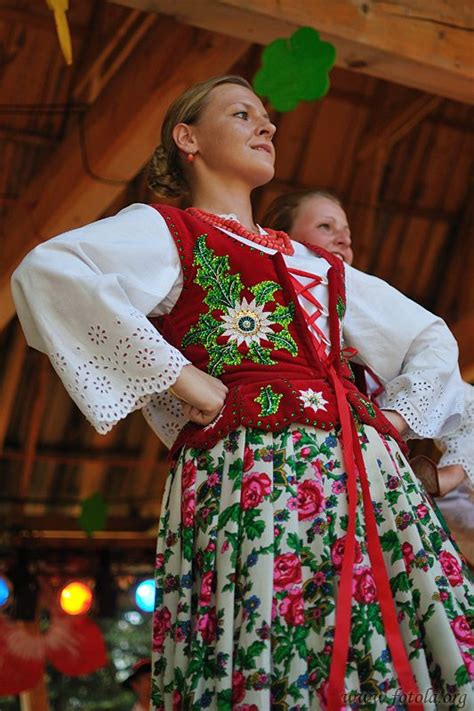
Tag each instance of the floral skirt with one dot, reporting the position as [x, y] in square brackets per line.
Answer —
[249, 556]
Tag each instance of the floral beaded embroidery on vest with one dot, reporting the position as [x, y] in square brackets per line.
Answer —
[236, 328]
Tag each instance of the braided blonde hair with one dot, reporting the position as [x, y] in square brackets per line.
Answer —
[166, 175]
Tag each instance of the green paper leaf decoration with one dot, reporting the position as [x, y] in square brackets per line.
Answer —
[93, 514]
[295, 69]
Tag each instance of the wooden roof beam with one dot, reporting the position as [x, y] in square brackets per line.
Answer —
[424, 44]
[119, 131]
[463, 330]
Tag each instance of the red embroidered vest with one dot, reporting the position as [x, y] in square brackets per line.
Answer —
[239, 319]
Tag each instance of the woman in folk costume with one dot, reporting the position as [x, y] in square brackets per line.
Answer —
[317, 217]
[297, 559]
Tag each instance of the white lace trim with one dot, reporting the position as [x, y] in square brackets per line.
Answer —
[424, 404]
[458, 447]
[119, 369]
[164, 413]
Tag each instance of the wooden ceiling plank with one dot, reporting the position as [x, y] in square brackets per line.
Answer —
[11, 377]
[398, 125]
[463, 330]
[120, 135]
[416, 50]
[36, 415]
[105, 65]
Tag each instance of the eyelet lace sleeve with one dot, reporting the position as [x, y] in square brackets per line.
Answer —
[458, 447]
[83, 299]
[410, 350]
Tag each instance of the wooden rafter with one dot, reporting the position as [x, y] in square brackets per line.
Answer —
[463, 331]
[10, 380]
[118, 135]
[384, 137]
[423, 49]
[36, 416]
[113, 55]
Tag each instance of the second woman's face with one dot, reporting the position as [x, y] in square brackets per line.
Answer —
[323, 223]
[234, 136]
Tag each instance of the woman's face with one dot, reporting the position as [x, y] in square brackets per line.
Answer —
[323, 223]
[234, 136]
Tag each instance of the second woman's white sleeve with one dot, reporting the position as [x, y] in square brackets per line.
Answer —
[410, 350]
[83, 299]
[458, 447]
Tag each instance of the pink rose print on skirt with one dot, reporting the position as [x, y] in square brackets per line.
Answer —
[364, 585]
[451, 568]
[207, 626]
[337, 552]
[408, 555]
[310, 500]
[462, 630]
[468, 660]
[239, 686]
[292, 607]
[206, 589]
[254, 487]
[188, 508]
[189, 475]
[248, 459]
[287, 571]
[161, 625]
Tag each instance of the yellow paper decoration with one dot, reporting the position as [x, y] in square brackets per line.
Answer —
[59, 8]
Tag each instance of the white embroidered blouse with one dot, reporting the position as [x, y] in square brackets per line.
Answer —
[83, 299]
[458, 447]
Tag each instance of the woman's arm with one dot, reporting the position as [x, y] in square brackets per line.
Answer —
[83, 299]
[410, 350]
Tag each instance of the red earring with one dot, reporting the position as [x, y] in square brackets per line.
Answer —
[190, 157]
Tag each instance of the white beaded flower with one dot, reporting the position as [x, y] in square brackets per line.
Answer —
[314, 400]
[247, 323]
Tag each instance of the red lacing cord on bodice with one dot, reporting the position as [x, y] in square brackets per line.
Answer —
[304, 291]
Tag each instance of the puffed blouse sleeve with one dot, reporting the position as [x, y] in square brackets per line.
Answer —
[83, 299]
[458, 447]
[410, 350]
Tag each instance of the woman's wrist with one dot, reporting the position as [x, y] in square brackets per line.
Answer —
[397, 421]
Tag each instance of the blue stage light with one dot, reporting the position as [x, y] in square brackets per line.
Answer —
[5, 591]
[145, 595]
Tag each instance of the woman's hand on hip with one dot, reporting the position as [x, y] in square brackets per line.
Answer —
[202, 394]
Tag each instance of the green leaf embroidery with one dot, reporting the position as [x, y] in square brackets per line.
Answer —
[340, 308]
[214, 275]
[283, 341]
[368, 406]
[269, 401]
[261, 355]
[283, 314]
[245, 324]
[264, 291]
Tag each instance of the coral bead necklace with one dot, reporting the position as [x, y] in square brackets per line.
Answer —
[273, 239]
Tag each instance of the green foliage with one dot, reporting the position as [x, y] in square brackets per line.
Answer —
[295, 69]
